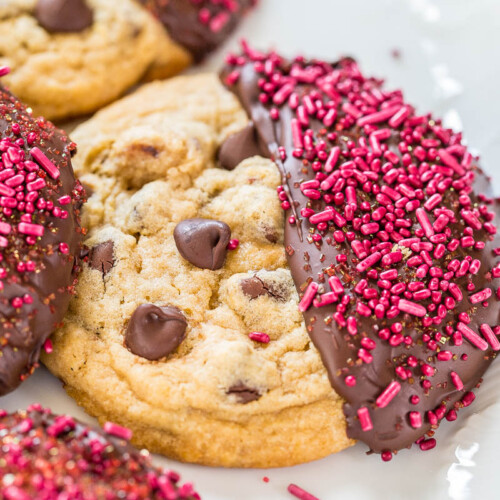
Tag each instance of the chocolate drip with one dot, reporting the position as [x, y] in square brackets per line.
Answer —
[342, 349]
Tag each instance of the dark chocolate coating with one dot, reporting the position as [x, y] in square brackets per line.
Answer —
[316, 261]
[203, 242]
[56, 456]
[155, 332]
[181, 18]
[64, 16]
[24, 329]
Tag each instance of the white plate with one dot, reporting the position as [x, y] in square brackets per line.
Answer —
[448, 64]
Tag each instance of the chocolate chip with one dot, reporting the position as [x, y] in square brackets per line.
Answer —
[271, 235]
[238, 147]
[254, 287]
[59, 16]
[101, 257]
[243, 393]
[150, 150]
[154, 332]
[203, 242]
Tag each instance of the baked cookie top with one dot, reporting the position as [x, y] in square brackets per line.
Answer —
[40, 235]
[47, 456]
[190, 253]
[70, 57]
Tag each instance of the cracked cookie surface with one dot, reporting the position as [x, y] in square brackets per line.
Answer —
[218, 398]
[63, 71]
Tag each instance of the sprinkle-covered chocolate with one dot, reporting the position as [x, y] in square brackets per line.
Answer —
[64, 16]
[47, 456]
[204, 242]
[155, 332]
[199, 25]
[390, 237]
[40, 236]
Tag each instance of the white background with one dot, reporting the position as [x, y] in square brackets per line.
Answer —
[449, 63]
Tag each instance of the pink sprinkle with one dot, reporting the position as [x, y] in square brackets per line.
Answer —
[365, 419]
[433, 202]
[296, 134]
[6, 190]
[412, 308]
[424, 221]
[5, 228]
[218, 22]
[308, 297]
[428, 444]
[415, 419]
[472, 336]
[457, 381]
[4, 70]
[30, 229]
[332, 160]
[63, 247]
[233, 244]
[399, 117]
[48, 347]
[490, 336]
[117, 430]
[368, 262]
[388, 395]
[336, 285]
[45, 163]
[480, 296]
[379, 116]
[263, 338]
[299, 493]
[450, 161]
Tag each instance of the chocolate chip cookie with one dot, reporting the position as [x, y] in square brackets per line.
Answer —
[186, 326]
[71, 57]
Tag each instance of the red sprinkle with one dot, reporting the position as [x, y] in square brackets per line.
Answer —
[299, 493]
[388, 395]
[263, 338]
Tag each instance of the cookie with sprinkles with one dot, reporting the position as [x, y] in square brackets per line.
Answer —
[71, 57]
[390, 236]
[40, 235]
[46, 456]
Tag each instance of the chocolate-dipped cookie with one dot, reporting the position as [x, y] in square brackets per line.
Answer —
[390, 237]
[40, 236]
[48, 456]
